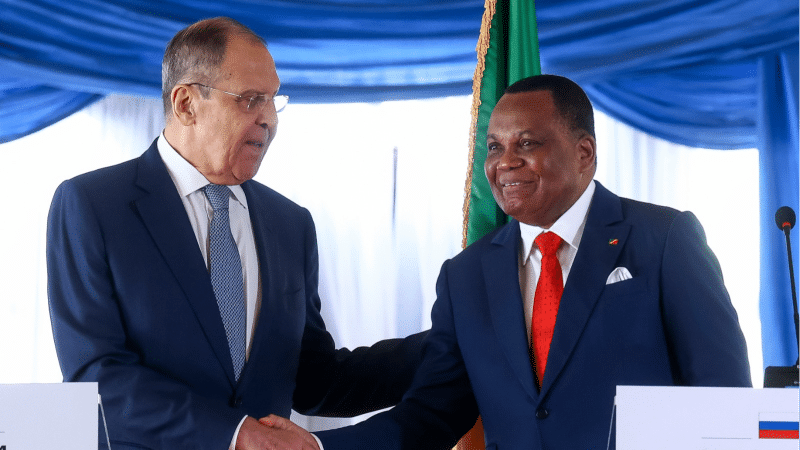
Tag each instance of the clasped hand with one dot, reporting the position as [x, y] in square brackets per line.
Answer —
[273, 433]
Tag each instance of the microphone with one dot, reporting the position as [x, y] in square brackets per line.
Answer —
[774, 376]
[784, 217]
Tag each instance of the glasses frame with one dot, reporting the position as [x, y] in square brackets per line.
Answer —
[277, 100]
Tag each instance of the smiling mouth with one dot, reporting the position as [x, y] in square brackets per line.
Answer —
[511, 184]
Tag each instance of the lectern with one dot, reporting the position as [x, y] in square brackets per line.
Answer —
[61, 416]
[688, 418]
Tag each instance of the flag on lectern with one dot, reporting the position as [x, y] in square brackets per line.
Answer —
[508, 51]
[778, 426]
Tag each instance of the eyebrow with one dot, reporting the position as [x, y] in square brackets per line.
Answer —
[521, 133]
[254, 92]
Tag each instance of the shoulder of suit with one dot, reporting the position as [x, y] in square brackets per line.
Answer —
[106, 180]
[259, 193]
[647, 209]
[656, 217]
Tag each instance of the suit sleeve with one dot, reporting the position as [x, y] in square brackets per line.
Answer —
[438, 409]
[707, 347]
[157, 411]
[341, 382]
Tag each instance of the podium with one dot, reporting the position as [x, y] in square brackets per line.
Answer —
[706, 418]
[61, 416]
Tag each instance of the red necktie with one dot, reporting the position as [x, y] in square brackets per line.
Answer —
[545, 301]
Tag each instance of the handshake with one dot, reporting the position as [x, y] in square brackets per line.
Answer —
[274, 433]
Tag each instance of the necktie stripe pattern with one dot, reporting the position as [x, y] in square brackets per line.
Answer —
[226, 274]
[545, 301]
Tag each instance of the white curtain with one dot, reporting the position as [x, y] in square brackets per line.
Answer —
[110, 131]
[385, 184]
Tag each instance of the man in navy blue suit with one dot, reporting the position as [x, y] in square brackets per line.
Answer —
[643, 299]
[132, 302]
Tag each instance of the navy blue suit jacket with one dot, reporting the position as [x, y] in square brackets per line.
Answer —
[132, 308]
[672, 323]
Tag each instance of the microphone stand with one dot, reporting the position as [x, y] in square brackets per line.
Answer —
[777, 376]
[786, 228]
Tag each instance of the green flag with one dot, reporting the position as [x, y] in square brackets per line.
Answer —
[508, 51]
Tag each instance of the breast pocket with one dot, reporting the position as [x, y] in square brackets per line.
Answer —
[631, 286]
[627, 315]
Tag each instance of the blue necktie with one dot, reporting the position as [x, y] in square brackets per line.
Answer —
[226, 274]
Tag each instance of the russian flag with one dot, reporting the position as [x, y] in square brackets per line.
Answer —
[778, 426]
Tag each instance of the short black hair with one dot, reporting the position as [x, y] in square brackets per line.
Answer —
[571, 101]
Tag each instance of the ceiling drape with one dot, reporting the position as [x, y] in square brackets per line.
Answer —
[682, 70]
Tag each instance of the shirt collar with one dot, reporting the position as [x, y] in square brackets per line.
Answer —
[186, 177]
[569, 227]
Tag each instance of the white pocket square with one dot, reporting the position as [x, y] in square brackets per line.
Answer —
[619, 274]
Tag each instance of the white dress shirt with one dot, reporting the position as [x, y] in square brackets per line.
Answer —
[569, 227]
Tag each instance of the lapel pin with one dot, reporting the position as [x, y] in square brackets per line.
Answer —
[613, 241]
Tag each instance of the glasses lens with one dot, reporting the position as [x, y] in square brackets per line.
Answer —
[280, 102]
[259, 101]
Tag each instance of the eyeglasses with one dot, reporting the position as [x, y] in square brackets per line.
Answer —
[254, 102]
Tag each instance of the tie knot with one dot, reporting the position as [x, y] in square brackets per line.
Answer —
[548, 243]
[218, 195]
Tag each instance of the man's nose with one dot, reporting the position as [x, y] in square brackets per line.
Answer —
[267, 117]
[509, 159]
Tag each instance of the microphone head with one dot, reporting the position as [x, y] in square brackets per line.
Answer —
[785, 217]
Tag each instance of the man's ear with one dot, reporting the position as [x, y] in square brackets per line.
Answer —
[183, 104]
[587, 151]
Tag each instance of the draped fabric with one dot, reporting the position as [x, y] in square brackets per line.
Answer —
[333, 51]
[685, 71]
[714, 74]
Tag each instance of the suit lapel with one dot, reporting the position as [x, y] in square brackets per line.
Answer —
[260, 218]
[593, 263]
[501, 273]
[164, 216]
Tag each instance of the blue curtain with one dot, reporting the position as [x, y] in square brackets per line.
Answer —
[685, 71]
[56, 56]
[714, 74]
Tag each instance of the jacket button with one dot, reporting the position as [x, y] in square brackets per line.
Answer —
[236, 402]
[542, 413]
